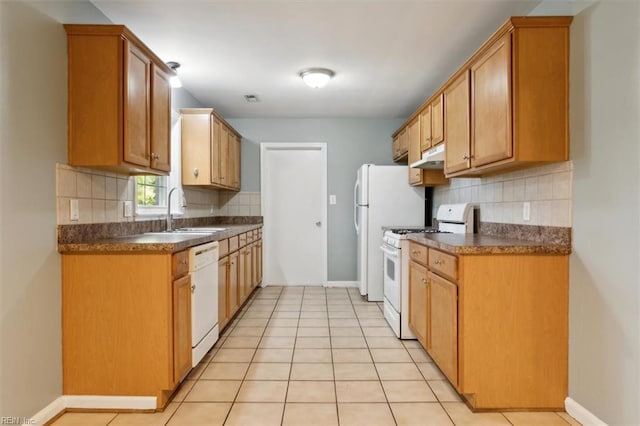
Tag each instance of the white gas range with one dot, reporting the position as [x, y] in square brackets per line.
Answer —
[453, 218]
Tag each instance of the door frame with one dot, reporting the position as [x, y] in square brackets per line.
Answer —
[264, 199]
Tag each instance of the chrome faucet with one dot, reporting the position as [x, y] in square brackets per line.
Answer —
[169, 219]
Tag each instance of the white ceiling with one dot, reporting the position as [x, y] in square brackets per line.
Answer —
[389, 56]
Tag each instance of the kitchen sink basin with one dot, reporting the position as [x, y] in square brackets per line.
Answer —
[201, 229]
[179, 231]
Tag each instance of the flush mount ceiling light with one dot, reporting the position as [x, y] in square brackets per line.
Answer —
[174, 81]
[316, 77]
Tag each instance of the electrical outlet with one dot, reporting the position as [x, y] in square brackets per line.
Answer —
[74, 211]
[127, 208]
[332, 200]
[526, 211]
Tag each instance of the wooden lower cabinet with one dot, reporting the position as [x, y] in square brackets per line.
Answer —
[232, 286]
[418, 301]
[125, 324]
[223, 302]
[181, 327]
[496, 325]
[239, 273]
[442, 325]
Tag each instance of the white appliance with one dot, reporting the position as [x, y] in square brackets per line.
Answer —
[452, 218]
[203, 267]
[382, 195]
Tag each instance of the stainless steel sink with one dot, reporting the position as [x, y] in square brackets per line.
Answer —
[179, 231]
[201, 229]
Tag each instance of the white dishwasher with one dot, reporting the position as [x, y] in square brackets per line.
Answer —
[203, 268]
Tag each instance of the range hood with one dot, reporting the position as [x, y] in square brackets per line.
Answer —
[431, 159]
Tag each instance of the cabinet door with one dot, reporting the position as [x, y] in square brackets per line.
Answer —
[223, 290]
[259, 268]
[442, 342]
[248, 271]
[196, 146]
[437, 121]
[415, 175]
[404, 142]
[160, 120]
[181, 327]
[396, 147]
[224, 155]
[491, 104]
[216, 150]
[136, 106]
[425, 123]
[234, 301]
[418, 301]
[234, 161]
[456, 124]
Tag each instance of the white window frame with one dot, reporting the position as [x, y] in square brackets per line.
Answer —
[173, 180]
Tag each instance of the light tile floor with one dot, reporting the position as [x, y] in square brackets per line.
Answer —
[314, 356]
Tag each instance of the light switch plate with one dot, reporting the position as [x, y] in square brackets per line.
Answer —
[74, 211]
[127, 208]
[332, 200]
[526, 211]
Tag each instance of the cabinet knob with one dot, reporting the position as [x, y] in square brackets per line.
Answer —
[184, 262]
[424, 281]
[221, 177]
[156, 156]
[196, 172]
[467, 157]
[193, 288]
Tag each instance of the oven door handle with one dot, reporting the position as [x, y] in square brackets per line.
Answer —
[389, 252]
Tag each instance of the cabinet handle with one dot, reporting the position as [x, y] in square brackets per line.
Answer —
[193, 288]
[467, 157]
[221, 177]
[196, 172]
[414, 252]
[156, 156]
[184, 262]
[424, 281]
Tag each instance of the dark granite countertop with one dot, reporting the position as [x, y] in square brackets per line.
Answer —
[157, 242]
[487, 244]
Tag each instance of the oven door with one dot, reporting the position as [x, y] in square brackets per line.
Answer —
[392, 274]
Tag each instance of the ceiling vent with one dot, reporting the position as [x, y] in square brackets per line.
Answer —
[252, 99]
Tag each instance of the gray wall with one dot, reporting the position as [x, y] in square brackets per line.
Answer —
[33, 137]
[604, 344]
[350, 143]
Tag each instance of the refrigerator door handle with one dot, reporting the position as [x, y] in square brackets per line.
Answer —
[355, 206]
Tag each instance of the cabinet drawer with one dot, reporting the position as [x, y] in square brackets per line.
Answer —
[223, 248]
[179, 264]
[243, 240]
[233, 244]
[443, 264]
[418, 253]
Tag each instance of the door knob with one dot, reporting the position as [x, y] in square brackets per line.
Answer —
[318, 223]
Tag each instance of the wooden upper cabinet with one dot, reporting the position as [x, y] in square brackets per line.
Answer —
[425, 123]
[456, 128]
[437, 120]
[224, 156]
[210, 150]
[160, 119]
[216, 151]
[234, 160]
[413, 131]
[119, 101]
[491, 104]
[404, 143]
[395, 147]
[137, 106]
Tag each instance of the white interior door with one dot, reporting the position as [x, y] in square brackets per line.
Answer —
[294, 206]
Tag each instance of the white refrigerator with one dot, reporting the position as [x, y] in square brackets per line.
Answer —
[382, 197]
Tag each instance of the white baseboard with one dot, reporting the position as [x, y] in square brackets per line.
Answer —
[343, 284]
[581, 414]
[93, 402]
[49, 412]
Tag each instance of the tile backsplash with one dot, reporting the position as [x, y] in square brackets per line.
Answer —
[101, 196]
[501, 198]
